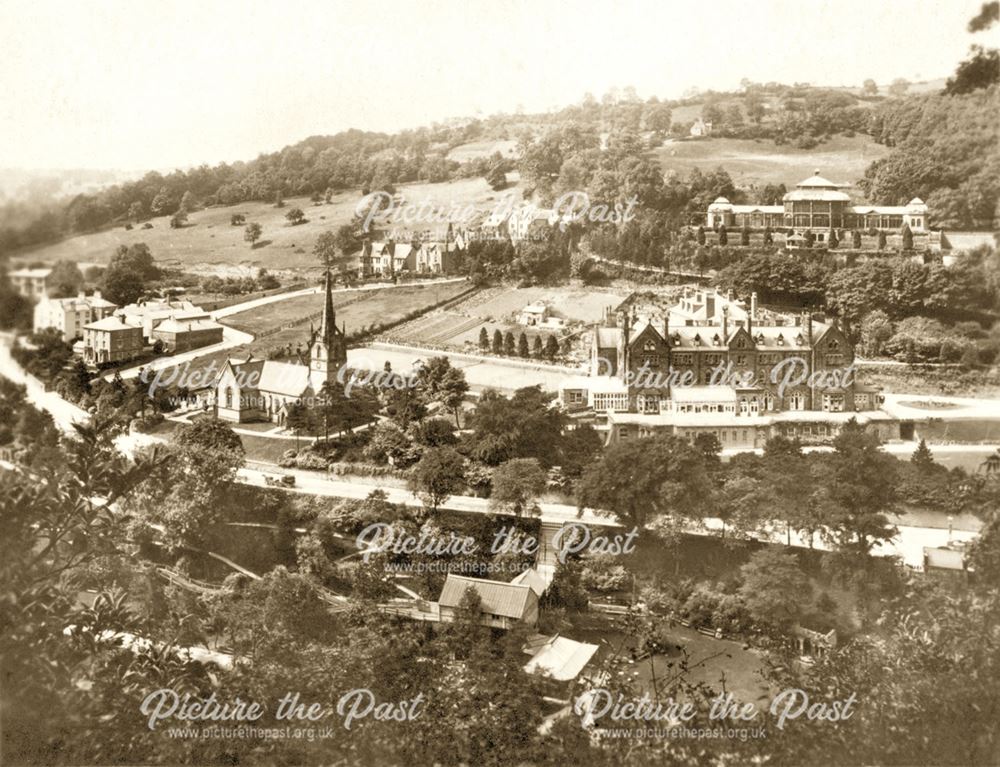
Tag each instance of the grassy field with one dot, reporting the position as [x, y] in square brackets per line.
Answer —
[209, 244]
[476, 149]
[763, 162]
[355, 309]
[374, 307]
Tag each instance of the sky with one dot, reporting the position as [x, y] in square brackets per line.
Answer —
[152, 84]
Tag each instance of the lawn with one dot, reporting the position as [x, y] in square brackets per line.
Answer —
[762, 161]
[268, 449]
[356, 309]
[211, 245]
[368, 307]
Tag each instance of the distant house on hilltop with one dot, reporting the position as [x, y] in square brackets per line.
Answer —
[700, 129]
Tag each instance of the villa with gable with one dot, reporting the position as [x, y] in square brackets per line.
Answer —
[256, 389]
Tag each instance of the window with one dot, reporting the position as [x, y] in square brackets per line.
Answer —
[229, 396]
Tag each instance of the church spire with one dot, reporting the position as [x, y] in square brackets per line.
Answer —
[328, 325]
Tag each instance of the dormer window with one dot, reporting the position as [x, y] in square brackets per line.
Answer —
[799, 340]
[780, 340]
[697, 339]
[676, 338]
[716, 341]
[760, 338]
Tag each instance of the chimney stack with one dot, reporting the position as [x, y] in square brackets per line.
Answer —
[753, 305]
[725, 323]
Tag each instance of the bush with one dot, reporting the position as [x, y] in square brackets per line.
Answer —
[147, 423]
[603, 574]
[309, 460]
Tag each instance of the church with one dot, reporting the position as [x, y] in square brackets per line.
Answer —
[262, 390]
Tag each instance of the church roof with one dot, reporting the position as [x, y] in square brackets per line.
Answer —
[285, 378]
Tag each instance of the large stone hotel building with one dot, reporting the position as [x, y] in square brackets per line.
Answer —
[713, 364]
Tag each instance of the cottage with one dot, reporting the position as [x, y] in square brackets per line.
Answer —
[503, 604]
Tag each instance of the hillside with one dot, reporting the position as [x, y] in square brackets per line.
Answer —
[208, 243]
[758, 161]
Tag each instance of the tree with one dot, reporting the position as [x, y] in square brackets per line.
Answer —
[295, 216]
[508, 344]
[876, 330]
[907, 237]
[237, 219]
[537, 349]
[279, 199]
[551, 347]
[496, 178]
[774, 588]
[298, 419]
[161, 204]
[856, 239]
[497, 342]
[980, 70]
[700, 235]
[325, 249]
[484, 339]
[723, 235]
[768, 236]
[252, 233]
[523, 349]
[861, 485]
[745, 235]
[439, 381]
[642, 479]
[831, 241]
[439, 474]
[869, 88]
[178, 220]
[516, 483]
[136, 212]
[187, 202]
[209, 434]
[881, 239]
[64, 280]
[922, 457]
[899, 87]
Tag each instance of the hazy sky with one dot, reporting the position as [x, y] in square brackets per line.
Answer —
[152, 84]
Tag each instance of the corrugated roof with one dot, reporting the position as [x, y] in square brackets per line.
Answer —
[561, 659]
[531, 578]
[498, 598]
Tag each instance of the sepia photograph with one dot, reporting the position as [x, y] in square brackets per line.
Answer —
[500, 384]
